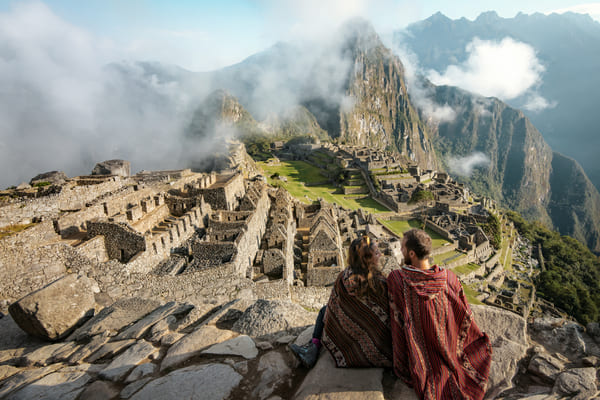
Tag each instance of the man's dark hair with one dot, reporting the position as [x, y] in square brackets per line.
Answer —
[418, 241]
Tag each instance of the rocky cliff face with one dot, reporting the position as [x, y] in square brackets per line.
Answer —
[382, 115]
[523, 173]
[217, 110]
[566, 44]
[353, 86]
[574, 202]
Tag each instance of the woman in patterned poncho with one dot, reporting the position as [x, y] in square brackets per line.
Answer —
[354, 326]
[357, 325]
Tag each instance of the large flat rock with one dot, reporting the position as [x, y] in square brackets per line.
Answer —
[202, 382]
[142, 326]
[507, 332]
[193, 343]
[58, 385]
[127, 361]
[242, 346]
[110, 320]
[53, 311]
[326, 382]
[273, 316]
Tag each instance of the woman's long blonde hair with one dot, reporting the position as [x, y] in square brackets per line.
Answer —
[362, 262]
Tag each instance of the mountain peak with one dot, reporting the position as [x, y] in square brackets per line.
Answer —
[438, 17]
[360, 32]
[488, 16]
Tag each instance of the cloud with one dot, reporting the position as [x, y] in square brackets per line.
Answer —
[62, 107]
[593, 9]
[537, 103]
[506, 69]
[421, 95]
[464, 166]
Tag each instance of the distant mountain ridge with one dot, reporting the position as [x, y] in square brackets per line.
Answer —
[367, 103]
[524, 174]
[567, 45]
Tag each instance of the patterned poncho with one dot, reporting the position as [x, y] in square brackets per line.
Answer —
[438, 348]
[357, 328]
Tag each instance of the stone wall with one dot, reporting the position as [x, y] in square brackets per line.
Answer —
[94, 249]
[75, 221]
[152, 219]
[33, 258]
[274, 262]
[174, 233]
[313, 297]
[323, 267]
[213, 254]
[250, 242]
[120, 240]
[71, 197]
[322, 276]
[224, 194]
[439, 230]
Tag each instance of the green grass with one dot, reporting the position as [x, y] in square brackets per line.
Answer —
[298, 172]
[451, 256]
[465, 269]
[399, 227]
[471, 295]
[506, 241]
[355, 186]
[13, 229]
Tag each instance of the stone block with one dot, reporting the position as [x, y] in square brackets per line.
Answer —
[113, 167]
[52, 312]
[325, 381]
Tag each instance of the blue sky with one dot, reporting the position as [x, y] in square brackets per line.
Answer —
[204, 35]
[61, 108]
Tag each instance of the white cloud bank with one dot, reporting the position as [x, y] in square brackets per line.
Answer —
[62, 107]
[421, 96]
[505, 69]
[464, 166]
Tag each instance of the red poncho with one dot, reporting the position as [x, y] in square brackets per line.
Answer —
[438, 348]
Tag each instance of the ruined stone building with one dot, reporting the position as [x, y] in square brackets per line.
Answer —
[276, 259]
[233, 236]
[323, 258]
[462, 230]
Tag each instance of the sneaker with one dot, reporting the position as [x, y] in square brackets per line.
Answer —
[307, 354]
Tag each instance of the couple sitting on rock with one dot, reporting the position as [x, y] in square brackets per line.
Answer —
[418, 321]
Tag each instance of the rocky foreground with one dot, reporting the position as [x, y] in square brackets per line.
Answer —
[141, 349]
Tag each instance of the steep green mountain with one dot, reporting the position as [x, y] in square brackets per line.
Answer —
[568, 47]
[297, 121]
[574, 203]
[524, 174]
[365, 101]
[218, 111]
[382, 115]
[352, 84]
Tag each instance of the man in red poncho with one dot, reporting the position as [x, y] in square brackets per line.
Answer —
[438, 348]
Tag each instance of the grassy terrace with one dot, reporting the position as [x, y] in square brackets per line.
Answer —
[298, 172]
[448, 257]
[465, 269]
[471, 295]
[506, 253]
[398, 227]
[12, 229]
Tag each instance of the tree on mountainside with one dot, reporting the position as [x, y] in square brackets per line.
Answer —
[572, 277]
